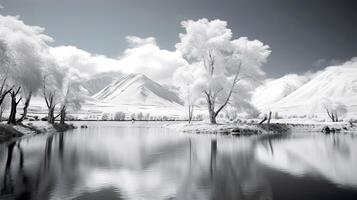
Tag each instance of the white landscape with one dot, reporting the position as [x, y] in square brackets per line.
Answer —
[186, 100]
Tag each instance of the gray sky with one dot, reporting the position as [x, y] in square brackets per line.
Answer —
[303, 34]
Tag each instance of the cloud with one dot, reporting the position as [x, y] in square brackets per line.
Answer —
[1, 7]
[149, 59]
[144, 56]
[135, 41]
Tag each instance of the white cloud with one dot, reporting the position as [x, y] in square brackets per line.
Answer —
[135, 41]
[149, 59]
[143, 57]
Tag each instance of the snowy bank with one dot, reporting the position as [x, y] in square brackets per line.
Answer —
[235, 129]
[246, 129]
[27, 128]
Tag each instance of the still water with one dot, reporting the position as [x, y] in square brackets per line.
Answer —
[119, 160]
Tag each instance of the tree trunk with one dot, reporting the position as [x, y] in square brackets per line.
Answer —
[269, 117]
[63, 115]
[212, 114]
[190, 113]
[14, 103]
[51, 118]
[12, 116]
[212, 118]
[264, 119]
[26, 105]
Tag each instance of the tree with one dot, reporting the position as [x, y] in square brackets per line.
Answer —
[188, 92]
[14, 103]
[4, 105]
[140, 116]
[219, 62]
[71, 97]
[119, 116]
[132, 116]
[5, 60]
[26, 50]
[105, 116]
[52, 84]
[147, 116]
[334, 109]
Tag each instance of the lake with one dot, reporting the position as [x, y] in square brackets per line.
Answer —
[146, 160]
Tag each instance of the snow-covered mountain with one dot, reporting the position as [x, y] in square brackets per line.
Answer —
[275, 90]
[338, 84]
[137, 89]
[100, 81]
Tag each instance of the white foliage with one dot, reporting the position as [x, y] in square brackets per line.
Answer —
[207, 43]
[28, 47]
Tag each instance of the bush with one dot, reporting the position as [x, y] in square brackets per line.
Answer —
[119, 116]
[105, 116]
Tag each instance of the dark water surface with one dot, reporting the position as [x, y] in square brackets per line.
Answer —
[144, 161]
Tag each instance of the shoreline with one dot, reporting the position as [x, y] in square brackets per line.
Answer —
[10, 132]
[30, 128]
[248, 129]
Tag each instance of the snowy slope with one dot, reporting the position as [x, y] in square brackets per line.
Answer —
[275, 90]
[334, 83]
[137, 89]
[100, 81]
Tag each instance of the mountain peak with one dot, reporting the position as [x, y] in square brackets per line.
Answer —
[137, 89]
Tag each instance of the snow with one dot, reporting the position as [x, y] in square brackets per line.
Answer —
[225, 128]
[137, 89]
[277, 89]
[334, 83]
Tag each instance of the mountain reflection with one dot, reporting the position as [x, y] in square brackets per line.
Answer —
[154, 163]
[333, 157]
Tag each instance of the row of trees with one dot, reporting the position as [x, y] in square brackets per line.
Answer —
[27, 69]
[121, 116]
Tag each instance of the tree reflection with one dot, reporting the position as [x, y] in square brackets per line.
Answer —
[8, 187]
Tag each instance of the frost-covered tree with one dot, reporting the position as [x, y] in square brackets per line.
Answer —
[119, 116]
[334, 109]
[29, 49]
[190, 93]
[139, 116]
[70, 96]
[5, 62]
[221, 62]
[105, 116]
[147, 116]
[52, 85]
[132, 116]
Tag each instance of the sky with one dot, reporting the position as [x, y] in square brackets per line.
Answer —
[302, 34]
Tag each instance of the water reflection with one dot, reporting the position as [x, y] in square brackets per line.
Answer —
[109, 161]
[333, 157]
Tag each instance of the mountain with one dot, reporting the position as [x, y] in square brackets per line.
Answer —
[100, 81]
[337, 84]
[275, 90]
[137, 89]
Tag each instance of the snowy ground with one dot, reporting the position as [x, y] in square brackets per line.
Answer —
[252, 127]
[28, 128]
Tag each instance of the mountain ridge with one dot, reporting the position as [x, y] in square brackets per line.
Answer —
[137, 89]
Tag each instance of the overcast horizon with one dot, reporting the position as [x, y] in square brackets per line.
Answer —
[303, 37]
